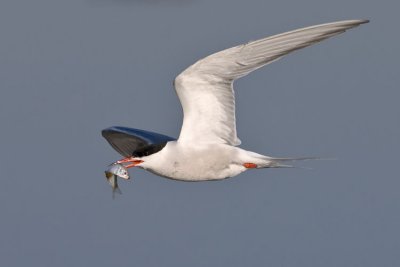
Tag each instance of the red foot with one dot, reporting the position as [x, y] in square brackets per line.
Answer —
[250, 165]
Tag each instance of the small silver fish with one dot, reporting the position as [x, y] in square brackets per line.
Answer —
[112, 173]
[118, 170]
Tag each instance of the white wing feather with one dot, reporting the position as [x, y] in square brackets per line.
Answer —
[205, 89]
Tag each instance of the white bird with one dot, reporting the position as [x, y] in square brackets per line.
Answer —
[207, 147]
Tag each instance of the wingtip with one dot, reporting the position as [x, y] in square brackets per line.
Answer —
[355, 22]
[350, 23]
[363, 21]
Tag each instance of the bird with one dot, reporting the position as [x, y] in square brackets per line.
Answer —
[208, 146]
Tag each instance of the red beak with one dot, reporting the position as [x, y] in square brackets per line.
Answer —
[133, 162]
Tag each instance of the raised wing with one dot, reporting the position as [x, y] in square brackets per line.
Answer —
[205, 89]
[134, 142]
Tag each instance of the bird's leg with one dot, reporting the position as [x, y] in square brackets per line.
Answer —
[133, 162]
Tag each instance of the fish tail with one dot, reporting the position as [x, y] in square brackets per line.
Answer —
[116, 190]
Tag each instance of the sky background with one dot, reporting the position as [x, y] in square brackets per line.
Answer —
[68, 69]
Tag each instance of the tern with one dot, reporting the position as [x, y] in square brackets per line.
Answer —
[207, 147]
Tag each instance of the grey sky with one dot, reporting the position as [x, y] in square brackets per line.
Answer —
[71, 68]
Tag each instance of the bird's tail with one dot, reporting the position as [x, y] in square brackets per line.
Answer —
[283, 162]
[262, 161]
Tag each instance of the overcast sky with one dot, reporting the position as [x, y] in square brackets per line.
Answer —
[71, 68]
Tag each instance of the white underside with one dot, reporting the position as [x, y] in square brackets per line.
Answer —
[201, 162]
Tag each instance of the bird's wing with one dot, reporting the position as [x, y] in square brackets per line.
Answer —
[205, 89]
[134, 142]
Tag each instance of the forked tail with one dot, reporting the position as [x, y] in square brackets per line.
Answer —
[255, 160]
[282, 162]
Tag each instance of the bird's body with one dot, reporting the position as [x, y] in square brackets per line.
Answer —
[181, 162]
[201, 162]
[207, 147]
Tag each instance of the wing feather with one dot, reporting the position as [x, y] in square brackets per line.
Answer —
[205, 89]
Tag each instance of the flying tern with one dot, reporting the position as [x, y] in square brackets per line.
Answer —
[207, 147]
